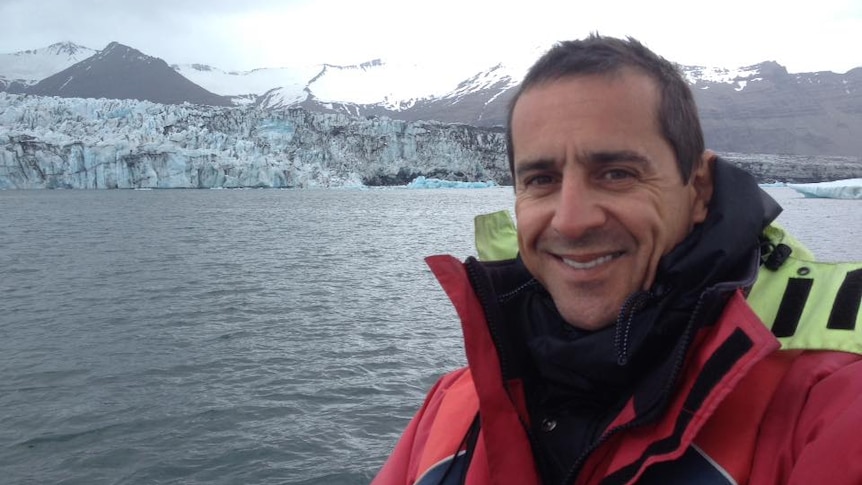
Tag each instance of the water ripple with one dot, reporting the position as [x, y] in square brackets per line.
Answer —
[260, 337]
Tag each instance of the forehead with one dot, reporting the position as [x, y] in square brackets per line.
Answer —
[587, 113]
[623, 93]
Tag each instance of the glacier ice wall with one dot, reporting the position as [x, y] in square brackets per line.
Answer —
[98, 143]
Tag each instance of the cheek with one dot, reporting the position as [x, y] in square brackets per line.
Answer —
[527, 219]
[528, 233]
[680, 221]
[522, 226]
[672, 219]
[687, 208]
[655, 228]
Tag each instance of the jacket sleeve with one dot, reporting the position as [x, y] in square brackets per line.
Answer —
[816, 429]
[402, 466]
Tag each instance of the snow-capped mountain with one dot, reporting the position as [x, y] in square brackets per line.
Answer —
[751, 109]
[376, 87]
[121, 72]
[764, 109]
[19, 70]
[247, 87]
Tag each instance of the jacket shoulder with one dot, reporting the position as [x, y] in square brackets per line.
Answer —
[812, 423]
[808, 304]
[433, 435]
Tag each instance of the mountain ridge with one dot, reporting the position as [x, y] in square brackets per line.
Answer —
[761, 108]
[121, 72]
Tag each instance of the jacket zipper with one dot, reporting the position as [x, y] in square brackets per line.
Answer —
[677, 367]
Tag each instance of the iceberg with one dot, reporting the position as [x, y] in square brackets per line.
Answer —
[421, 182]
[835, 189]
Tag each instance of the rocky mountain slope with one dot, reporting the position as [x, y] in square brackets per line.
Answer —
[120, 72]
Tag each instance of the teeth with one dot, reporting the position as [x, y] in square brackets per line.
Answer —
[588, 264]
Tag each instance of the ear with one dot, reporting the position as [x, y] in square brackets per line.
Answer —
[703, 184]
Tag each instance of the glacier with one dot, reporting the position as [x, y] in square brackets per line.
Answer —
[48, 142]
[834, 189]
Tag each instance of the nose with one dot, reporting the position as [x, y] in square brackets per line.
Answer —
[578, 208]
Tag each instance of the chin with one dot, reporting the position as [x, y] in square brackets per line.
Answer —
[591, 311]
[590, 324]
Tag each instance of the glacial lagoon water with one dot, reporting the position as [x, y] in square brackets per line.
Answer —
[240, 336]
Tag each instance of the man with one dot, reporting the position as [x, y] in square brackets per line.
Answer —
[618, 346]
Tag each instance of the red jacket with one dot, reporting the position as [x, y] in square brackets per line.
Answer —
[743, 412]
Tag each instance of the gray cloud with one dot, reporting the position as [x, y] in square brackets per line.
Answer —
[177, 31]
[242, 35]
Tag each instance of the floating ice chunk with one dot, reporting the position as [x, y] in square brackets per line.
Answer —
[836, 189]
[421, 182]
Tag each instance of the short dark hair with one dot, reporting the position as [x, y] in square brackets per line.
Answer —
[677, 112]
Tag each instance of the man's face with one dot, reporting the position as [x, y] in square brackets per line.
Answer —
[598, 195]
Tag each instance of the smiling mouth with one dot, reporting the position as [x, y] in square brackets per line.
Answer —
[591, 263]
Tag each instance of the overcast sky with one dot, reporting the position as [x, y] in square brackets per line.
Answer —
[246, 34]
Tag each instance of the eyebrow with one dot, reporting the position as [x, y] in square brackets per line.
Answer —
[597, 158]
[538, 165]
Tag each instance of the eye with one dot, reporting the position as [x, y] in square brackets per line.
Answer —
[617, 174]
[538, 180]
